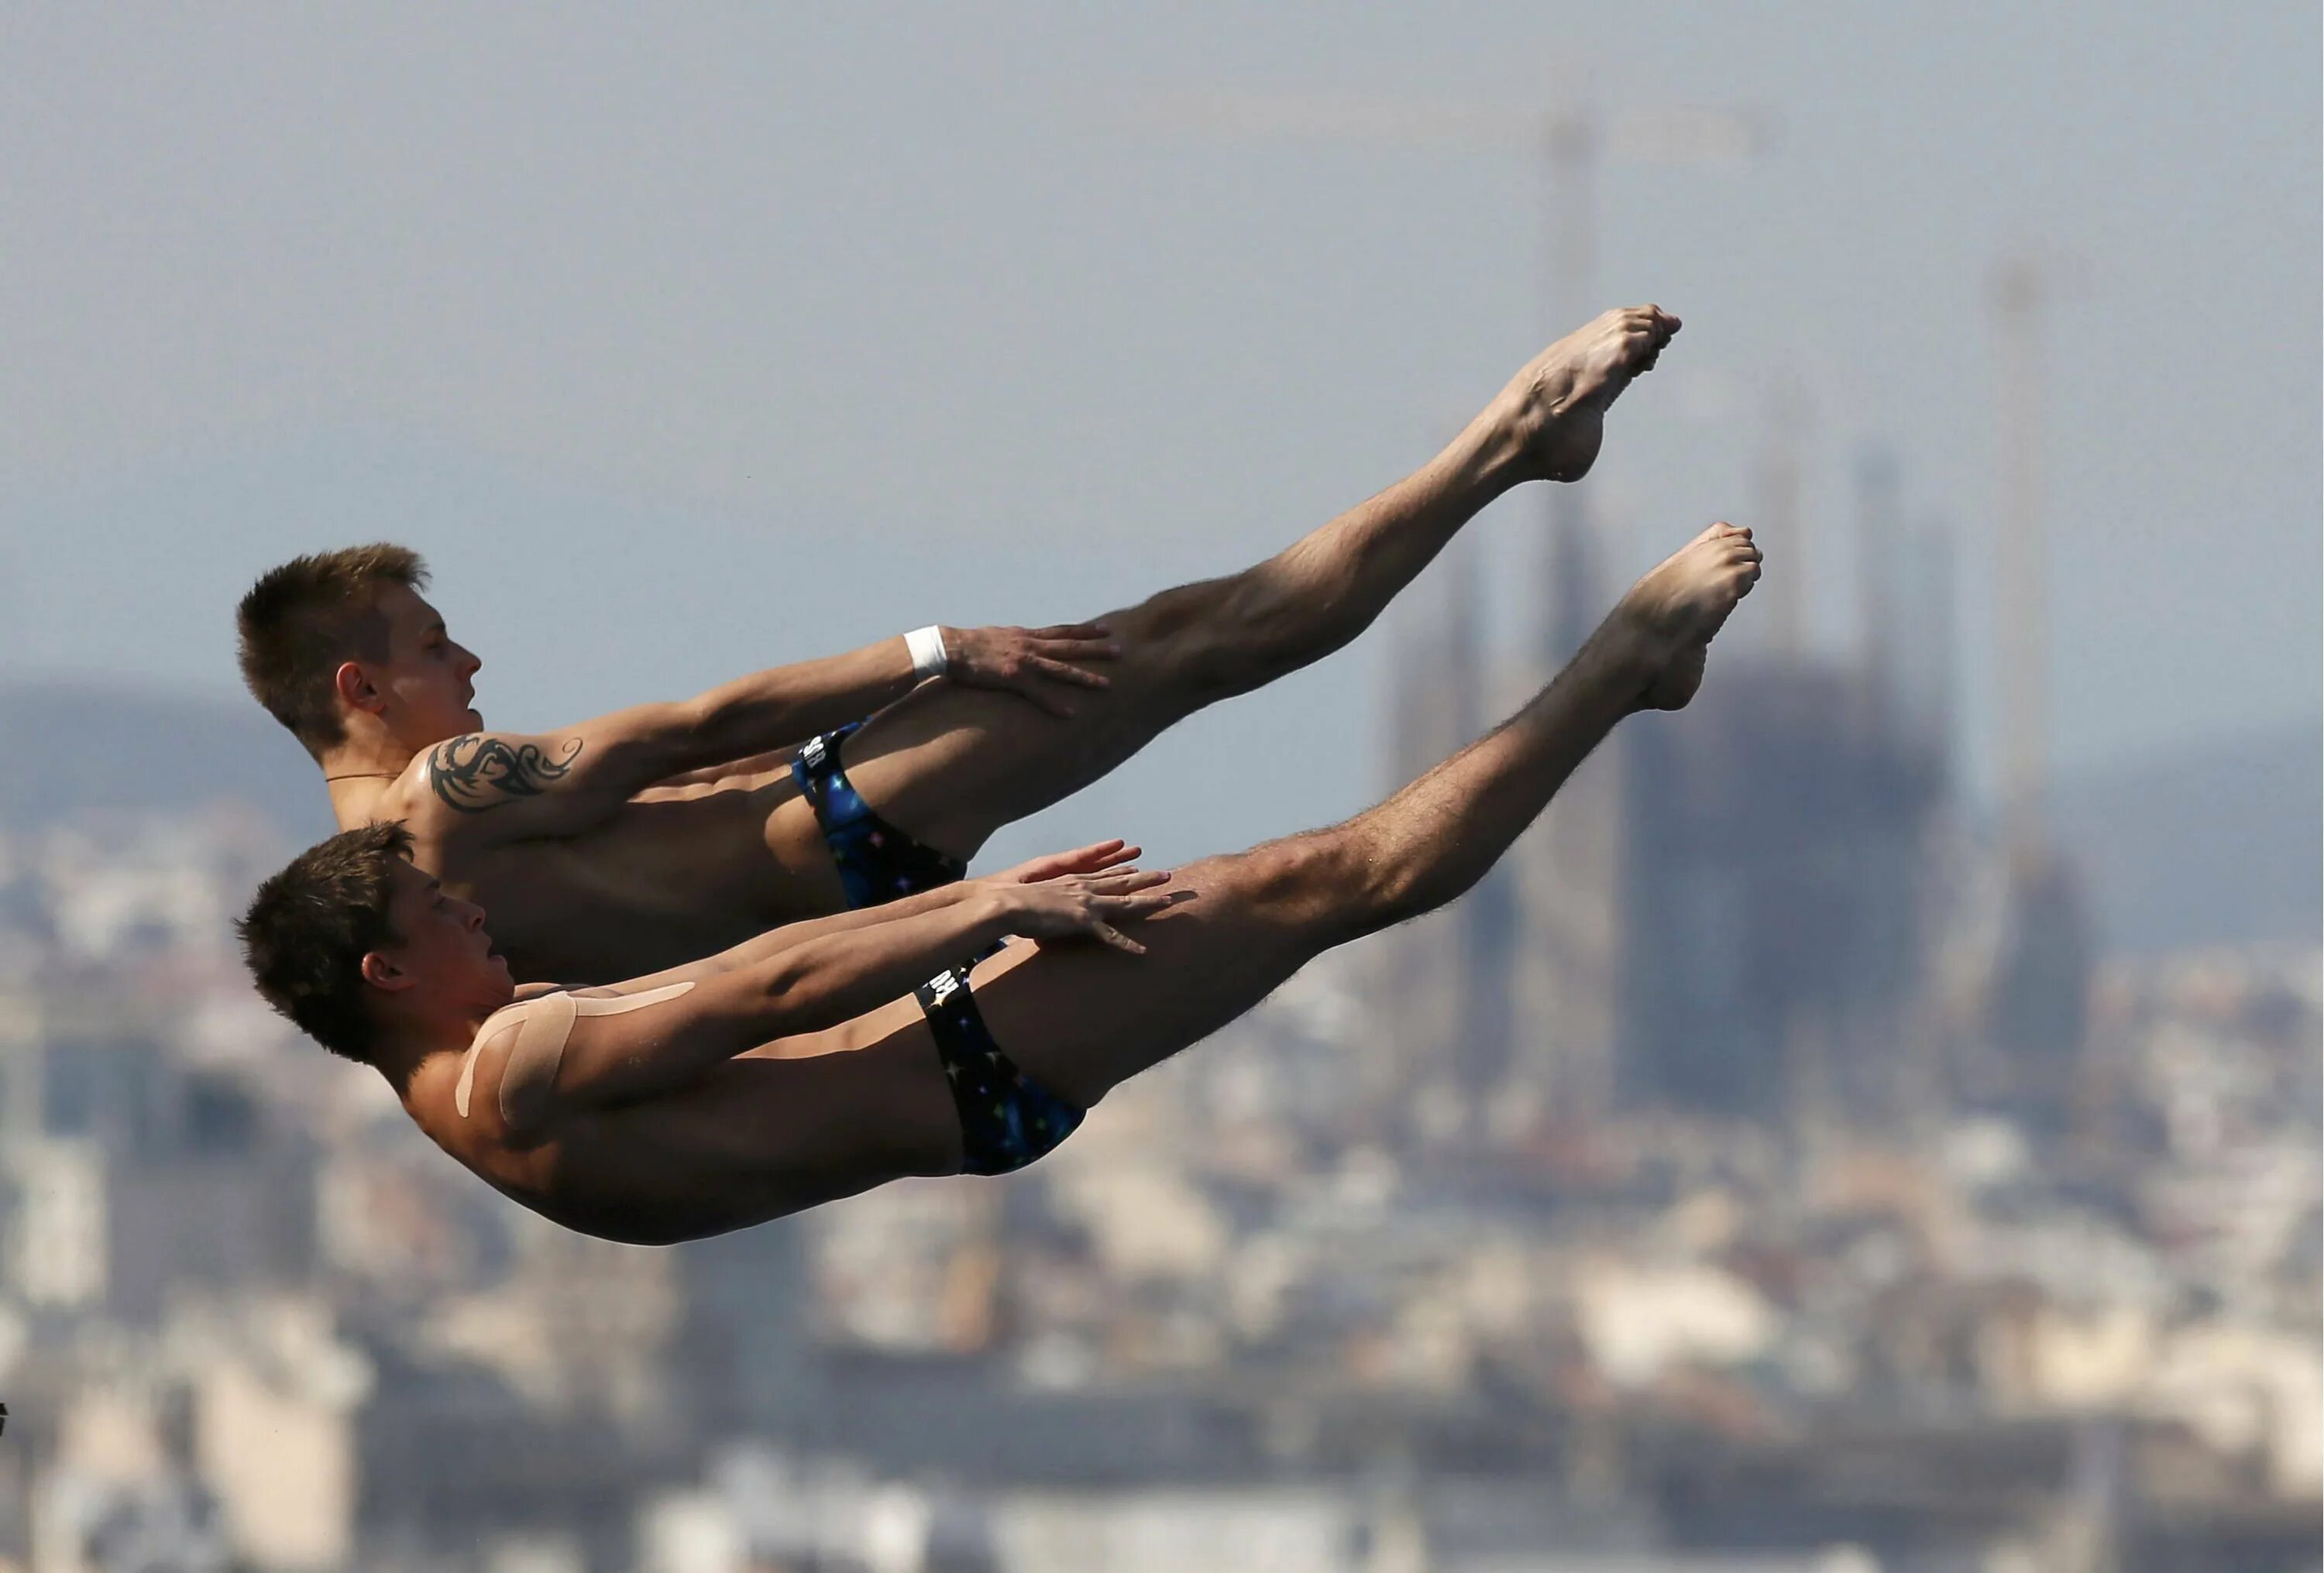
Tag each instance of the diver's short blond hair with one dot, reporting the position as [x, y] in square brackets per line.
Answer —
[304, 618]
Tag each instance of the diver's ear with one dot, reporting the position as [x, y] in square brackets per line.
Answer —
[356, 689]
[380, 971]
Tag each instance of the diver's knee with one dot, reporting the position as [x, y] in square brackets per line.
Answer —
[1215, 639]
[1316, 882]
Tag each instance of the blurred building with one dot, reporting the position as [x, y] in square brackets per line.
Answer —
[1439, 987]
[1896, 1236]
[1775, 898]
[134, 1173]
[1727, 912]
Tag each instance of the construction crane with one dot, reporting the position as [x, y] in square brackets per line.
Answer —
[1877, 535]
[1782, 480]
[2020, 289]
[1503, 1033]
[1571, 138]
[2038, 1010]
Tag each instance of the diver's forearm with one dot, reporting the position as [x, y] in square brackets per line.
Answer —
[798, 978]
[764, 947]
[846, 968]
[784, 705]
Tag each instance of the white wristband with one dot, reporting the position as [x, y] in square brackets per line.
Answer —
[926, 646]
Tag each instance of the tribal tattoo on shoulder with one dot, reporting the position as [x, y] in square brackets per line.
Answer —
[477, 772]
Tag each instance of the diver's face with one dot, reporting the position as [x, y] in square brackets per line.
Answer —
[441, 950]
[427, 682]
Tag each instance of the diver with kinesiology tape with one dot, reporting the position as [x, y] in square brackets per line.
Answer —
[831, 1056]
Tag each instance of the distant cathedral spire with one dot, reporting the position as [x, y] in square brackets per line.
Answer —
[1572, 603]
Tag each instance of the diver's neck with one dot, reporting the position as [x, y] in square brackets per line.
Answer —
[359, 771]
[400, 1054]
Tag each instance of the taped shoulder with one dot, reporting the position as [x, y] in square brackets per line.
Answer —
[530, 1035]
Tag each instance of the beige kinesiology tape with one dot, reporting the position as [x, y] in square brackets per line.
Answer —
[535, 1030]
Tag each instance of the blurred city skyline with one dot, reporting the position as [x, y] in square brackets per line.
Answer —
[683, 349]
[1783, 1162]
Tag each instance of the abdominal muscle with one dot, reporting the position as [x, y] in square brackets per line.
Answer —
[785, 1126]
[660, 885]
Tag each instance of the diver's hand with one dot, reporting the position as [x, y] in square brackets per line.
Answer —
[1036, 663]
[1095, 858]
[1087, 905]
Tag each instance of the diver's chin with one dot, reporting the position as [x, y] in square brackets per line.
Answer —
[497, 984]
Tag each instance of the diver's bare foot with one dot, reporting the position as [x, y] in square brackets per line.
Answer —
[1668, 620]
[1555, 409]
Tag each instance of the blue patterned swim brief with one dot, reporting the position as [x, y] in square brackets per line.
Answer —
[1007, 1119]
[877, 861]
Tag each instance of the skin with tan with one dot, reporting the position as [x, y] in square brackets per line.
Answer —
[615, 840]
[795, 1068]
[655, 835]
[530, 1035]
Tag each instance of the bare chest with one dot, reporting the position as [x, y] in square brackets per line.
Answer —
[658, 885]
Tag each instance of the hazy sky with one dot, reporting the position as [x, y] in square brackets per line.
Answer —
[684, 339]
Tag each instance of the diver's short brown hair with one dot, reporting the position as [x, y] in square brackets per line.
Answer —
[310, 926]
[301, 619]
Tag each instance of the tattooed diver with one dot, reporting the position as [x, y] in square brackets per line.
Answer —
[799, 1067]
[668, 831]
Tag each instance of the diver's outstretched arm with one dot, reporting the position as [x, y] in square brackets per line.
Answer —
[506, 786]
[809, 976]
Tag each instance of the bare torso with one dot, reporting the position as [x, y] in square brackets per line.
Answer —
[667, 879]
[788, 1126]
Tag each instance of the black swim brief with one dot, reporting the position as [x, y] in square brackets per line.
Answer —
[1007, 1119]
[877, 861]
